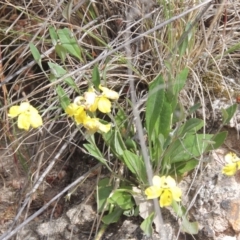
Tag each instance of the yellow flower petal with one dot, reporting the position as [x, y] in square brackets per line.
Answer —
[24, 121]
[230, 169]
[231, 157]
[14, 111]
[78, 100]
[176, 193]
[104, 127]
[80, 110]
[104, 105]
[165, 188]
[166, 198]
[238, 165]
[170, 182]
[90, 98]
[27, 116]
[80, 115]
[108, 93]
[157, 181]
[91, 124]
[24, 106]
[94, 106]
[71, 109]
[153, 192]
[35, 120]
[32, 110]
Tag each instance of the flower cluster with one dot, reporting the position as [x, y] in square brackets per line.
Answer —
[27, 116]
[233, 164]
[89, 103]
[165, 188]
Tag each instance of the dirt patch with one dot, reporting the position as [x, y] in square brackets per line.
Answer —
[212, 200]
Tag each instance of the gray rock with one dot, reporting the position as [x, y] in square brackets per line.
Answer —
[52, 227]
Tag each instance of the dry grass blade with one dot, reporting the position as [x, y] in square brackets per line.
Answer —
[11, 233]
[140, 36]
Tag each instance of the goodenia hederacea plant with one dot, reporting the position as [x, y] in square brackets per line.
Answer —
[160, 106]
[175, 150]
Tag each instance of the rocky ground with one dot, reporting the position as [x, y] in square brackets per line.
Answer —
[212, 200]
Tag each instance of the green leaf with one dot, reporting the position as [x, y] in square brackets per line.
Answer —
[131, 212]
[131, 144]
[165, 119]
[154, 104]
[96, 77]
[180, 81]
[217, 140]
[194, 108]
[35, 52]
[114, 140]
[63, 97]
[69, 43]
[156, 148]
[94, 151]
[158, 110]
[184, 45]
[36, 55]
[61, 52]
[59, 72]
[113, 217]
[179, 113]
[123, 199]
[189, 227]
[67, 11]
[118, 143]
[53, 35]
[103, 192]
[125, 127]
[191, 146]
[135, 164]
[120, 118]
[131, 160]
[178, 209]
[228, 113]
[184, 167]
[146, 225]
[191, 126]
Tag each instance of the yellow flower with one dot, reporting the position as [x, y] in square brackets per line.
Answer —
[80, 115]
[94, 102]
[27, 116]
[165, 188]
[233, 164]
[104, 105]
[71, 109]
[104, 127]
[91, 101]
[93, 125]
[79, 100]
[108, 93]
[76, 111]
[14, 111]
